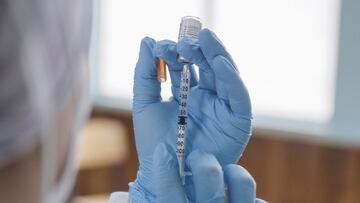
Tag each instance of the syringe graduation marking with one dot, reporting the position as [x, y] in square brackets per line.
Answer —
[182, 117]
[190, 26]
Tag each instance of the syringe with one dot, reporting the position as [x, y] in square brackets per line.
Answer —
[190, 27]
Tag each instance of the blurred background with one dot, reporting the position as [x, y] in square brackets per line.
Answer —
[300, 60]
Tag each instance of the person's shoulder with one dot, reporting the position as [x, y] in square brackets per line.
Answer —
[119, 197]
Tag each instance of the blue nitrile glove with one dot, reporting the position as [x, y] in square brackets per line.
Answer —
[219, 110]
[208, 177]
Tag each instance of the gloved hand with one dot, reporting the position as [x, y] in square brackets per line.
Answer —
[208, 177]
[219, 110]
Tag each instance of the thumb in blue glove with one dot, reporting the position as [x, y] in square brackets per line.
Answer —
[168, 185]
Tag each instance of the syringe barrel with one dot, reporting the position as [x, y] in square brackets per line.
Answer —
[190, 26]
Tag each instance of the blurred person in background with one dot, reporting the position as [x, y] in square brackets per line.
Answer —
[44, 97]
[44, 102]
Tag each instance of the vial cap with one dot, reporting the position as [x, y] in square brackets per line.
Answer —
[190, 26]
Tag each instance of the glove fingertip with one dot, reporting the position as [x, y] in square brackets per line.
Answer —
[164, 47]
[146, 56]
[147, 42]
[239, 179]
[190, 49]
[206, 34]
[167, 50]
[239, 174]
[210, 44]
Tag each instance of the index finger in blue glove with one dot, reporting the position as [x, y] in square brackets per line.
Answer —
[168, 185]
[167, 50]
[190, 49]
[207, 177]
[241, 185]
[226, 74]
[146, 86]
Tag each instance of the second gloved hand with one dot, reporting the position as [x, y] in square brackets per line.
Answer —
[208, 176]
